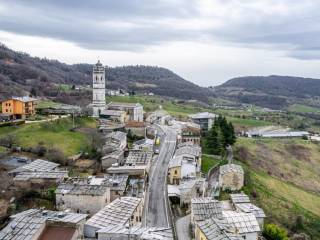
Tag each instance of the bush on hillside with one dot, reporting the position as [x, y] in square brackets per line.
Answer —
[274, 232]
[56, 155]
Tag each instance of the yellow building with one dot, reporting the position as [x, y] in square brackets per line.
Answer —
[19, 107]
[174, 174]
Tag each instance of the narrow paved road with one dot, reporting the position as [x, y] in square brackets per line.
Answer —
[156, 211]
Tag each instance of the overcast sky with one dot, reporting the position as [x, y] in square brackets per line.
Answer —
[204, 41]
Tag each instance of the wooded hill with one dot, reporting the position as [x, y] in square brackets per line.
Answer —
[275, 92]
[20, 74]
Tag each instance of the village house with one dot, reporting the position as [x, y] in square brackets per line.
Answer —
[204, 208]
[37, 180]
[135, 171]
[136, 187]
[121, 212]
[145, 144]
[213, 229]
[43, 224]
[136, 128]
[181, 167]
[159, 116]
[209, 215]
[114, 115]
[191, 151]
[37, 165]
[244, 224]
[117, 184]
[241, 202]
[190, 134]
[186, 190]
[231, 176]
[19, 107]
[109, 159]
[204, 119]
[134, 111]
[81, 197]
[138, 158]
[116, 140]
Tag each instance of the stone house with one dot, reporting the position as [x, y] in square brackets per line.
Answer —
[38, 180]
[136, 128]
[115, 157]
[121, 212]
[43, 224]
[117, 184]
[134, 111]
[82, 197]
[204, 119]
[191, 134]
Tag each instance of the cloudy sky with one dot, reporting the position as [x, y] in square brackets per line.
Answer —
[204, 41]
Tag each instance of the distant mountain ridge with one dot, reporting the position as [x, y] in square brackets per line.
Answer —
[20, 74]
[270, 91]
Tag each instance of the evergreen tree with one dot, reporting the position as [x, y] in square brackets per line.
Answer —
[220, 136]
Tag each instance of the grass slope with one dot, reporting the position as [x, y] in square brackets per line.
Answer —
[283, 203]
[293, 160]
[208, 162]
[52, 134]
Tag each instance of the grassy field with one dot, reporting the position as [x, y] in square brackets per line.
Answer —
[208, 162]
[283, 203]
[248, 122]
[303, 108]
[152, 103]
[52, 134]
[3, 150]
[46, 104]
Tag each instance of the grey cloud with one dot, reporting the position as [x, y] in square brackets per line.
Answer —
[136, 24]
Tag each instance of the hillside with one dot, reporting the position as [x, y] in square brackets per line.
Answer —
[282, 178]
[272, 91]
[21, 74]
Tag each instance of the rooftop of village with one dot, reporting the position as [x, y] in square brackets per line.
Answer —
[117, 212]
[204, 208]
[193, 150]
[36, 165]
[30, 223]
[81, 189]
[204, 115]
[231, 168]
[137, 157]
[25, 176]
[122, 104]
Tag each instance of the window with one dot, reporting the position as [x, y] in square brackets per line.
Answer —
[175, 172]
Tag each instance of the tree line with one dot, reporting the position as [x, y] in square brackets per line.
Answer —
[219, 136]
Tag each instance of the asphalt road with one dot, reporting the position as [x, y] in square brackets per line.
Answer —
[156, 212]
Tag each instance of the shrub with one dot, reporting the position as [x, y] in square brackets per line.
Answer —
[274, 232]
[56, 155]
[9, 141]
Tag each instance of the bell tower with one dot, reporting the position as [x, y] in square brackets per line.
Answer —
[98, 89]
